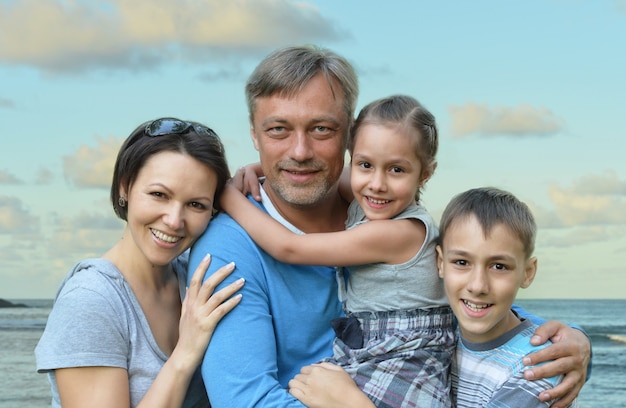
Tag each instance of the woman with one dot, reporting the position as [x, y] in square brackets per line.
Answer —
[118, 334]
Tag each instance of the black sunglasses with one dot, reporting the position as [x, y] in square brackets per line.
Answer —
[173, 126]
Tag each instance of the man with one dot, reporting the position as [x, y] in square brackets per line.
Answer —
[301, 102]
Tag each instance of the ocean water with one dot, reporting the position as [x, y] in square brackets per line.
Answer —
[603, 320]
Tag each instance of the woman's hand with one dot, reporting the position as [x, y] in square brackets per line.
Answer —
[569, 354]
[202, 309]
[326, 385]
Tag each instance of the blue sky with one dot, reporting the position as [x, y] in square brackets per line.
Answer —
[529, 97]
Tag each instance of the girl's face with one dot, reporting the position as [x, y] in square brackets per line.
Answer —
[169, 205]
[386, 172]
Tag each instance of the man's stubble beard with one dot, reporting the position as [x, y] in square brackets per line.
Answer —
[303, 196]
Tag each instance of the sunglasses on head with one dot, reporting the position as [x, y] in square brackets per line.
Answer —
[173, 126]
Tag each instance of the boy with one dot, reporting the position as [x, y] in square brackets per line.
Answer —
[487, 238]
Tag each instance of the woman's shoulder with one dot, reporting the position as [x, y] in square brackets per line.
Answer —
[92, 275]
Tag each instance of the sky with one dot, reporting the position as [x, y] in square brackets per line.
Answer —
[529, 97]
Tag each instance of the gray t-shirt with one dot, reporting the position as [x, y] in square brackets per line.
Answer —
[410, 285]
[96, 320]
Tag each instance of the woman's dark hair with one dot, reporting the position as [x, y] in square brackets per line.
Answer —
[191, 138]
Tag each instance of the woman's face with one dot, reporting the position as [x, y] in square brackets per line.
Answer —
[170, 205]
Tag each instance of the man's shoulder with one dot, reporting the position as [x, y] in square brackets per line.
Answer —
[222, 225]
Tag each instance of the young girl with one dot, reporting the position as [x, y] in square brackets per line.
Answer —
[395, 341]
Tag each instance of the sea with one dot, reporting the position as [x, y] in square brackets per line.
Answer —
[603, 320]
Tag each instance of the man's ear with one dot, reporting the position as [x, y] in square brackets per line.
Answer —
[255, 140]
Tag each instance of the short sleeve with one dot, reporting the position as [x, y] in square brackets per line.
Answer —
[87, 326]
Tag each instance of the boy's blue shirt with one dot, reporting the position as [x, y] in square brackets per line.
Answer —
[539, 321]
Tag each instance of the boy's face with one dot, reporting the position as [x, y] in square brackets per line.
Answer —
[481, 277]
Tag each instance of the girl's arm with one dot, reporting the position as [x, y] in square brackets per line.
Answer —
[246, 180]
[201, 312]
[388, 241]
[345, 188]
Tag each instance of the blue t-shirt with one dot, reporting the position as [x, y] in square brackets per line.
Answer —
[281, 324]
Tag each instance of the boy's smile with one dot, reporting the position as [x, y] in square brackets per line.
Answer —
[482, 275]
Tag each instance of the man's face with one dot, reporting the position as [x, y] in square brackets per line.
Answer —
[301, 142]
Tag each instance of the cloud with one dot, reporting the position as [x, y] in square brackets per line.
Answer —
[82, 236]
[65, 36]
[592, 200]
[607, 183]
[8, 178]
[87, 221]
[6, 103]
[580, 236]
[15, 217]
[523, 120]
[44, 176]
[221, 74]
[92, 166]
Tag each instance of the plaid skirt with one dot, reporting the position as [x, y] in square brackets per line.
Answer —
[398, 358]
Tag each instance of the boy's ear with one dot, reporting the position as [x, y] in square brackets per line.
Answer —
[529, 272]
[440, 261]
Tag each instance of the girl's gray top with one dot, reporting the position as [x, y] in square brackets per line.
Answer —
[414, 284]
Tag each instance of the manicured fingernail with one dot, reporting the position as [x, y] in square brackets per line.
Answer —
[206, 258]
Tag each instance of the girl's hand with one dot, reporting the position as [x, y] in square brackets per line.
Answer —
[246, 180]
[202, 310]
[326, 385]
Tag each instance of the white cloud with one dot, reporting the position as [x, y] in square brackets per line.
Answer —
[15, 218]
[69, 36]
[579, 236]
[92, 166]
[9, 178]
[44, 176]
[607, 183]
[592, 200]
[522, 120]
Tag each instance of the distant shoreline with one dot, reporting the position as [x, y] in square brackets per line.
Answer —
[6, 303]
